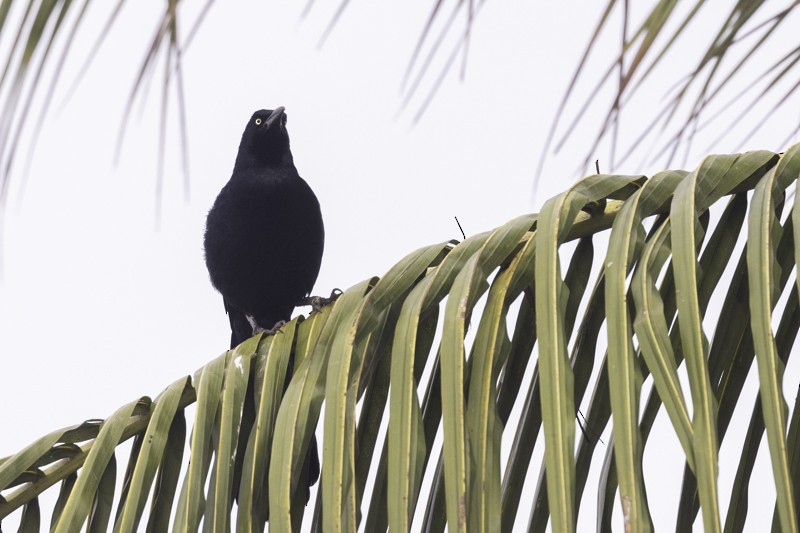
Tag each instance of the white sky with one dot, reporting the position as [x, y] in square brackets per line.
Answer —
[97, 307]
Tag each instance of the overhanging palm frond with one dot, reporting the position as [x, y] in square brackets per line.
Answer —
[706, 91]
[39, 35]
[489, 341]
[43, 34]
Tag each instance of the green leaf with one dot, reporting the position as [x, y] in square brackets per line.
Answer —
[760, 260]
[152, 448]
[79, 503]
[192, 500]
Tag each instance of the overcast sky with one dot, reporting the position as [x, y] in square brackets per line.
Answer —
[99, 307]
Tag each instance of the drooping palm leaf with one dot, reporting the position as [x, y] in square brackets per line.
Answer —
[44, 29]
[703, 94]
[667, 254]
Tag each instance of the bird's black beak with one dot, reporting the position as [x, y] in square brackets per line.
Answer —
[275, 116]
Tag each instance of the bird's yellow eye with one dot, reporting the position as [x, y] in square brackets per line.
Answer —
[258, 122]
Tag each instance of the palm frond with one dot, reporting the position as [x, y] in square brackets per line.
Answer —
[699, 98]
[39, 35]
[487, 341]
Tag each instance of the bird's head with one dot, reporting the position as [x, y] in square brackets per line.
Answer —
[265, 141]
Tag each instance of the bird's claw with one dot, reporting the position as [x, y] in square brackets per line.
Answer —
[274, 329]
[318, 302]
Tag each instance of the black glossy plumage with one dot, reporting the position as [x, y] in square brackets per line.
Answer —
[263, 242]
[264, 235]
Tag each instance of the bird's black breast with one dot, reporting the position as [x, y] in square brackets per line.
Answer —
[263, 243]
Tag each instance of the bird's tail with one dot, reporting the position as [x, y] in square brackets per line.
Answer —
[241, 330]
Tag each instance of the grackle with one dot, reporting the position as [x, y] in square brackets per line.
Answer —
[263, 242]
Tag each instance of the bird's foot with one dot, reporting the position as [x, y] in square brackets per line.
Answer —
[318, 302]
[274, 329]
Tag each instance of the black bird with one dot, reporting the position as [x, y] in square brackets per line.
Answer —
[264, 240]
[264, 234]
